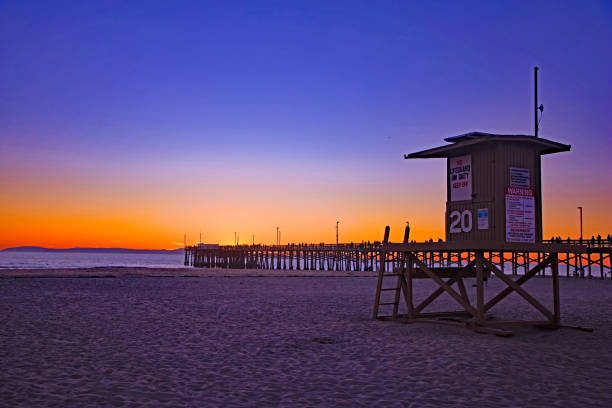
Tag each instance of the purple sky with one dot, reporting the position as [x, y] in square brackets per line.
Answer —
[123, 93]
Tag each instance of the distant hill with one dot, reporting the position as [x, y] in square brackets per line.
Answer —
[95, 250]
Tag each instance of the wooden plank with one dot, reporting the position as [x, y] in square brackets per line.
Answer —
[441, 322]
[518, 323]
[439, 290]
[403, 284]
[501, 295]
[462, 290]
[447, 288]
[457, 313]
[496, 332]
[485, 245]
[448, 273]
[433, 296]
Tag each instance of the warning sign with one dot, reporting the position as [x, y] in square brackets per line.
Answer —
[520, 215]
[460, 178]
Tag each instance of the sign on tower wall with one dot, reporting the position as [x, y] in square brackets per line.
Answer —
[460, 178]
[520, 215]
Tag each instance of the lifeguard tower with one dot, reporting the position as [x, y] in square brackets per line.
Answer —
[494, 189]
[493, 208]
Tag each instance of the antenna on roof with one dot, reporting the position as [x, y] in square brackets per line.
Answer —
[535, 101]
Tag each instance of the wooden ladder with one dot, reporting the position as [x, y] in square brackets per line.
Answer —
[380, 289]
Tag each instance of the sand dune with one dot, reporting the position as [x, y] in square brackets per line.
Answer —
[246, 341]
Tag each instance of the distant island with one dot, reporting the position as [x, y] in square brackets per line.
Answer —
[95, 250]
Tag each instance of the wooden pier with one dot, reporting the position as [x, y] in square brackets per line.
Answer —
[321, 257]
[584, 259]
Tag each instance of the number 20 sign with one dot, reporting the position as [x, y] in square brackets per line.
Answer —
[460, 221]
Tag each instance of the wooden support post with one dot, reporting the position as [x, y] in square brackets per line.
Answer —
[298, 259]
[479, 288]
[408, 291]
[399, 285]
[555, 278]
[589, 264]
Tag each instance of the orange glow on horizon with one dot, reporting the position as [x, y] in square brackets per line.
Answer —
[143, 230]
[73, 207]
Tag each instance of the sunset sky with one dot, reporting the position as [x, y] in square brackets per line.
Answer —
[128, 124]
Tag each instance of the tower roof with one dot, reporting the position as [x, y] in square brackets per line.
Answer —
[467, 141]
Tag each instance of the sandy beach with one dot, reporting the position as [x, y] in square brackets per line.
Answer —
[158, 337]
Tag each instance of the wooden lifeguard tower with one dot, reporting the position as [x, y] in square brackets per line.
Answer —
[494, 206]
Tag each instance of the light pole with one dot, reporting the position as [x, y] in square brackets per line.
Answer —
[337, 223]
[277, 236]
[580, 209]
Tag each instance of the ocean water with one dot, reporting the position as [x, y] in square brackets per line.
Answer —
[52, 260]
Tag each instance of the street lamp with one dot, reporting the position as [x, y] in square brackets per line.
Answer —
[580, 209]
[337, 223]
[277, 236]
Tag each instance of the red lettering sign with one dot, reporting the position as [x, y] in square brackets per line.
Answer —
[518, 191]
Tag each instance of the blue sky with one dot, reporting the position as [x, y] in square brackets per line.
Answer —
[337, 91]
